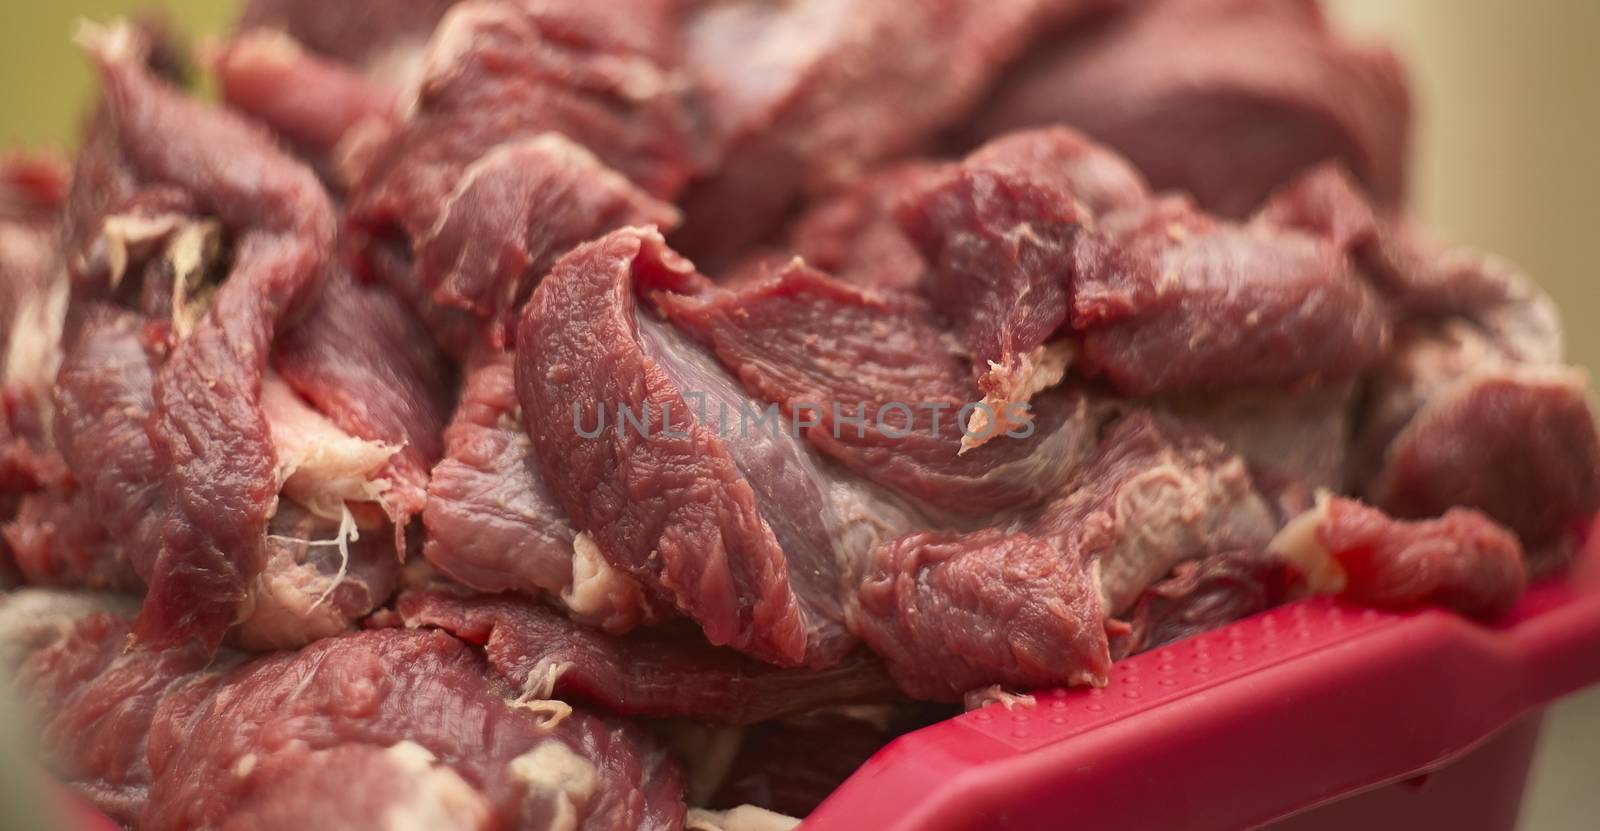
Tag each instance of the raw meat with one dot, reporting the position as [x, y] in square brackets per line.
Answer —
[363, 360]
[368, 33]
[1462, 560]
[794, 94]
[1185, 304]
[1029, 608]
[528, 111]
[854, 236]
[33, 294]
[1161, 298]
[653, 674]
[886, 391]
[315, 104]
[728, 517]
[493, 524]
[1222, 99]
[416, 716]
[1002, 235]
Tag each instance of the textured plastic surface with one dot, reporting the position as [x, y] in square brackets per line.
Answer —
[1271, 717]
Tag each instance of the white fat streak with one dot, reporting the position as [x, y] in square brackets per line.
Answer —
[742, 818]
[124, 233]
[597, 589]
[552, 770]
[1042, 369]
[440, 799]
[320, 466]
[194, 246]
[1296, 544]
[538, 696]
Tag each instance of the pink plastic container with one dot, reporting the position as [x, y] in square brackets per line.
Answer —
[1309, 717]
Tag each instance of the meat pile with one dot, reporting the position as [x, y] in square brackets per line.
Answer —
[374, 454]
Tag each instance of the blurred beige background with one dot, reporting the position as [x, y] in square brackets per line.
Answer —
[1507, 158]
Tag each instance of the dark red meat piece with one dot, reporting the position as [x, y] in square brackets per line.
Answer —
[743, 530]
[362, 359]
[1222, 99]
[369, 33]
[493, 524]
[1202, 595]
[1028, 608]
[670, 673]
[207, 429]
[1003, 234]
[530, 123]
[795, 95]
[1462, 560]
[429, 701]
[889, 391]
[1179, 302]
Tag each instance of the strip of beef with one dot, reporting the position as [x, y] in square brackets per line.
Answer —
[661, 673]
[1185, 303]
[1028, 607]
[362, 359]
[1462, 559]
[1002, 233]
[795, 92]
[323, 109]
[210, 438]
[1162, 298]
[95, 699]
[423, 710]
[852, 235]
[886, 391]
[1422, 277]
[1222, 99]
[537, 126]
[493, 524]
[375, 34]
[1515, 441]
[717, 508]
[161, 741]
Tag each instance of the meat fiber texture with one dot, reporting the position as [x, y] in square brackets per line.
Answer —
[393, 727]
[376, 459]
[1222, 99]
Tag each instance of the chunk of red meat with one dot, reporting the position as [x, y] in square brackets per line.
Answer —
[1027, 607]
[207, 429]
[1518, 443]
[1222, 99]
[1422, 277]
[887, 387]
[1003, 241]
[362, 359]
[314, 103]
[1179, 302]
[97, 700]
[854, 236]
[533, 125]
[795, 92]
[734, 522]
[103, 404]
[667, 673]
[492, 522]
[429, 701]
[1462, 560]
[377, 34]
